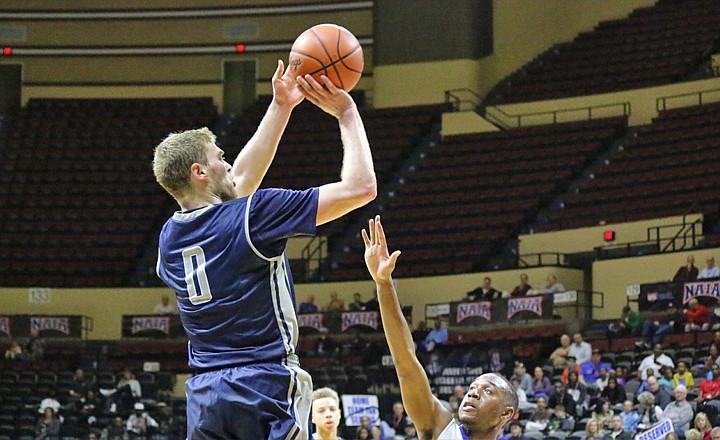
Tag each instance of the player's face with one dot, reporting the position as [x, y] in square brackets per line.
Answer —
[325, 414]
[484, 404]
[221, 182]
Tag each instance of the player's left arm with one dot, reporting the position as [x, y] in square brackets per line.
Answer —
[425, 410]
[252, 163]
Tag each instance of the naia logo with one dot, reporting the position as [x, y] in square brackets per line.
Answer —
[531, 304]
[481, 309]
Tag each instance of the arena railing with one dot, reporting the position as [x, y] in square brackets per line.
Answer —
[507, 120]
[687, 99]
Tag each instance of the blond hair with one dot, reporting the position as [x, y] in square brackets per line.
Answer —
[322, 393]
[175, 155]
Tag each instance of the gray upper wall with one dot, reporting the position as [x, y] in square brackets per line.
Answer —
[413, 31]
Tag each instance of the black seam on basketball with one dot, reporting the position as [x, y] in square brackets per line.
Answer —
[332, 63]
[339, 61]
[342, 60]
[309, 56]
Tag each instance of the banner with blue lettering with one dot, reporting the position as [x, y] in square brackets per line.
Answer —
[657, 431]
[700, 289]
[311, 320]
[471, 313]
[355, 406]
[151, 326]
[60, 324]
[499, 310]
[365, 319]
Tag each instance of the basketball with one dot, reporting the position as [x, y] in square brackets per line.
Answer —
[330, 50]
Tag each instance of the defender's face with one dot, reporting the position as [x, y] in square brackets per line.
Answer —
[484, 404]
[219, 173]
[325, 413]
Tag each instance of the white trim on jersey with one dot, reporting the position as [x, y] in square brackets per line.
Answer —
[186, 216]
[247, 231]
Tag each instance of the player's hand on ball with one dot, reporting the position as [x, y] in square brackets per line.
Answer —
[285, 89]
[329, 98]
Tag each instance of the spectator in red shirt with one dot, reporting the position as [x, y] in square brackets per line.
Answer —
[710, 388]
[688, 272]
[697, 316]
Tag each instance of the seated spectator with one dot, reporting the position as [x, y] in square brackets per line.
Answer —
[590, 370]
[13, 351]
[614, 392]
[521, 289]
[560, 397]
[553, 285]
[48, 425]
[593, 430]
[523, 403]
[398, 419]
[115, 430]
[711, 271]
[362, 433]
[697, 317]
[335, 304]
[680, 412]
[655, 361]
[139, 423]
[437, 336]
[488, 291]
[80, 383]
[715, 318]
[357, 305]
[516, 432]
[420, 332]
[34, 348]
[164, 307]
[373, 305]
[571, 366]
[713, 356]
[539, 419]
[688, 272]
[308, 306]
[715, 433]
[541, 383]
[617, 430]
[602, 381]
[693, 434]
[630, 417]
[559, 356]
[495, 363]
[666, 378]
[654, 329]
[630, 324]
[682, 376]
[579, 349]
[526, 381]
[124, 396]
[662, 396]
[703, 425]
[576, 389]
[650, 413]
[560, 422]
[710, 387]
[50, 402]
[602, 413]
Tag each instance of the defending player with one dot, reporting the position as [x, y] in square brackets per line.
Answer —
[490, 401]
[223, 255]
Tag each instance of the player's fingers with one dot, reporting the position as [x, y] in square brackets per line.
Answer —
[380, 231]
[329, 85]
[371, 229]
[278, 71]
[313, 82]
[365, 238]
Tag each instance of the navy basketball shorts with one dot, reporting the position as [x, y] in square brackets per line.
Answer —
[252, 402]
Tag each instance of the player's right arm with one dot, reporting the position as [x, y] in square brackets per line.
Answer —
[357, 186]
[425, 410]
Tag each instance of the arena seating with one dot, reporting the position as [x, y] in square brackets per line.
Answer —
[661, 44]
[471, 193]
[667, 168]
[78, 194]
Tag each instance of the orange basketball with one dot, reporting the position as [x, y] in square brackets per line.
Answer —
[330, 50]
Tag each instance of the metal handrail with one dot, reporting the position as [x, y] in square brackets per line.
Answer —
[661, 102]
[314, 250]
[453, 97]
[518, 118]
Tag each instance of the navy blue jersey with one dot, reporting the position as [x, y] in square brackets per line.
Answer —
[227, 266]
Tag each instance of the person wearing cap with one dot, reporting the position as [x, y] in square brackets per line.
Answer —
[139, 421]
[590, 370]
[572, 366]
